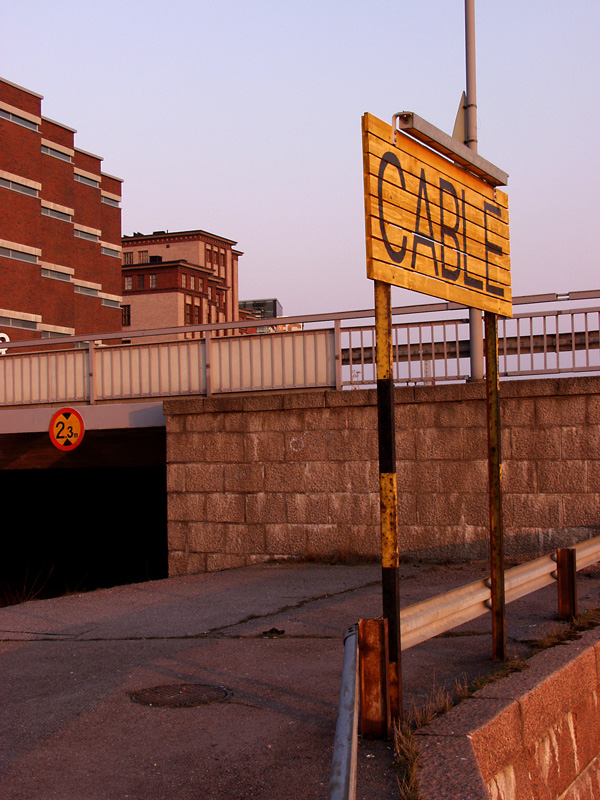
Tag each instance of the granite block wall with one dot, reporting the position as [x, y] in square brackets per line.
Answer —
[255, 477]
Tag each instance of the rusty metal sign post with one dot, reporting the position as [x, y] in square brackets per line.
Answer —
[495, 489]
[435, 223]
[492, 378]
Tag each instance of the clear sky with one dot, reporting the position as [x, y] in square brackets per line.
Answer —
[242, 117]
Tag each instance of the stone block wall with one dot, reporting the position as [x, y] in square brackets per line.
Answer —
[253, 477]
[535, 734]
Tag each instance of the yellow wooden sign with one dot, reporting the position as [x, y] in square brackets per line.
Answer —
[432, 226]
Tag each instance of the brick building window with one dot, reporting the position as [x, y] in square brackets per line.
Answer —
[126, 316]
[51, 151]
[128, 258]
[143, 257]
[26, 123]
[188, 313]
[18, 255]
[196, 315]
[18, 187]
[91, 237]
[183, 281]
[52, 212]
[153, 279]
[87, 181]
[110, 251]
[128, 283]
[192, 283]
[140, 281]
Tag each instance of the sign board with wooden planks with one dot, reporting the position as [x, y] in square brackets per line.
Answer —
[433, 226]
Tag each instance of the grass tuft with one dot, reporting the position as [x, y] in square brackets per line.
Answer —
[441, 700]
[11, 595]
[340, 556]
[406, 761]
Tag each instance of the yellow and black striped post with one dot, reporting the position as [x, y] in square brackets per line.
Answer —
[388, 490]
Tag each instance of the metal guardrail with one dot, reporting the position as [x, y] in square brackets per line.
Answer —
[431, 344]
[342, 781]
[423, 621]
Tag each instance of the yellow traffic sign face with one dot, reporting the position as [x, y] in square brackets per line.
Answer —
[66, 429]
[432, 226]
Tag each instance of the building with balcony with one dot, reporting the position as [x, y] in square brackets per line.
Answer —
[60, 227]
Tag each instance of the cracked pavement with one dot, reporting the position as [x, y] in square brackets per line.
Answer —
[69, 729]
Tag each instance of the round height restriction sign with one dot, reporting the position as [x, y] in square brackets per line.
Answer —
[66, 429]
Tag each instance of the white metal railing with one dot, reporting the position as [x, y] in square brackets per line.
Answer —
[431, 344]
[290, 360]
[546, 342]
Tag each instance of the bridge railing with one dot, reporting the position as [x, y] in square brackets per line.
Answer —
[431, 344]
[177, 366]
[562, 339]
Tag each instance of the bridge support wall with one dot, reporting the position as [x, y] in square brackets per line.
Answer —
[255, 477]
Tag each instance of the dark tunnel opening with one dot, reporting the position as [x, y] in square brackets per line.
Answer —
[75, 530]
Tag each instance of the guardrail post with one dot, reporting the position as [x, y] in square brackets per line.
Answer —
[375, 718]
[566, 569]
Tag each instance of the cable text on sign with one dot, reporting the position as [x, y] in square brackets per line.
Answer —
[432, 226]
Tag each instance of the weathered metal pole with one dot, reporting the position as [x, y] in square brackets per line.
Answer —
[495, 489]
[492, 385]
[475, 321]
[388, 491]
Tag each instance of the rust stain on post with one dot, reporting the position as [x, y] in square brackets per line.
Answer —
[388, 494]
[375, 720]
[566, 561]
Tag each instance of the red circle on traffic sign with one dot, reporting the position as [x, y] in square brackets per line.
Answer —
[66, 429]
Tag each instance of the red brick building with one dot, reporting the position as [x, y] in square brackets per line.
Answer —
[60, 227]
[179, 278]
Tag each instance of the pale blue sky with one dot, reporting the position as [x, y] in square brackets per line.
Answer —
[242, 117]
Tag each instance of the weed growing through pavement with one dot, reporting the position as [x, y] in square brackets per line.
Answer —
[28, 590]
[341, 556]
[406, 761]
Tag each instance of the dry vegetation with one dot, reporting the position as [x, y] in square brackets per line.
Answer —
[442, 700]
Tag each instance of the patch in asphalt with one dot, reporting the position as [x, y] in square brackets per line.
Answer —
[180, 695]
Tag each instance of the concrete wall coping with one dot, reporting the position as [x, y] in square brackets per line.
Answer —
[326, 398]
[500, 725]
